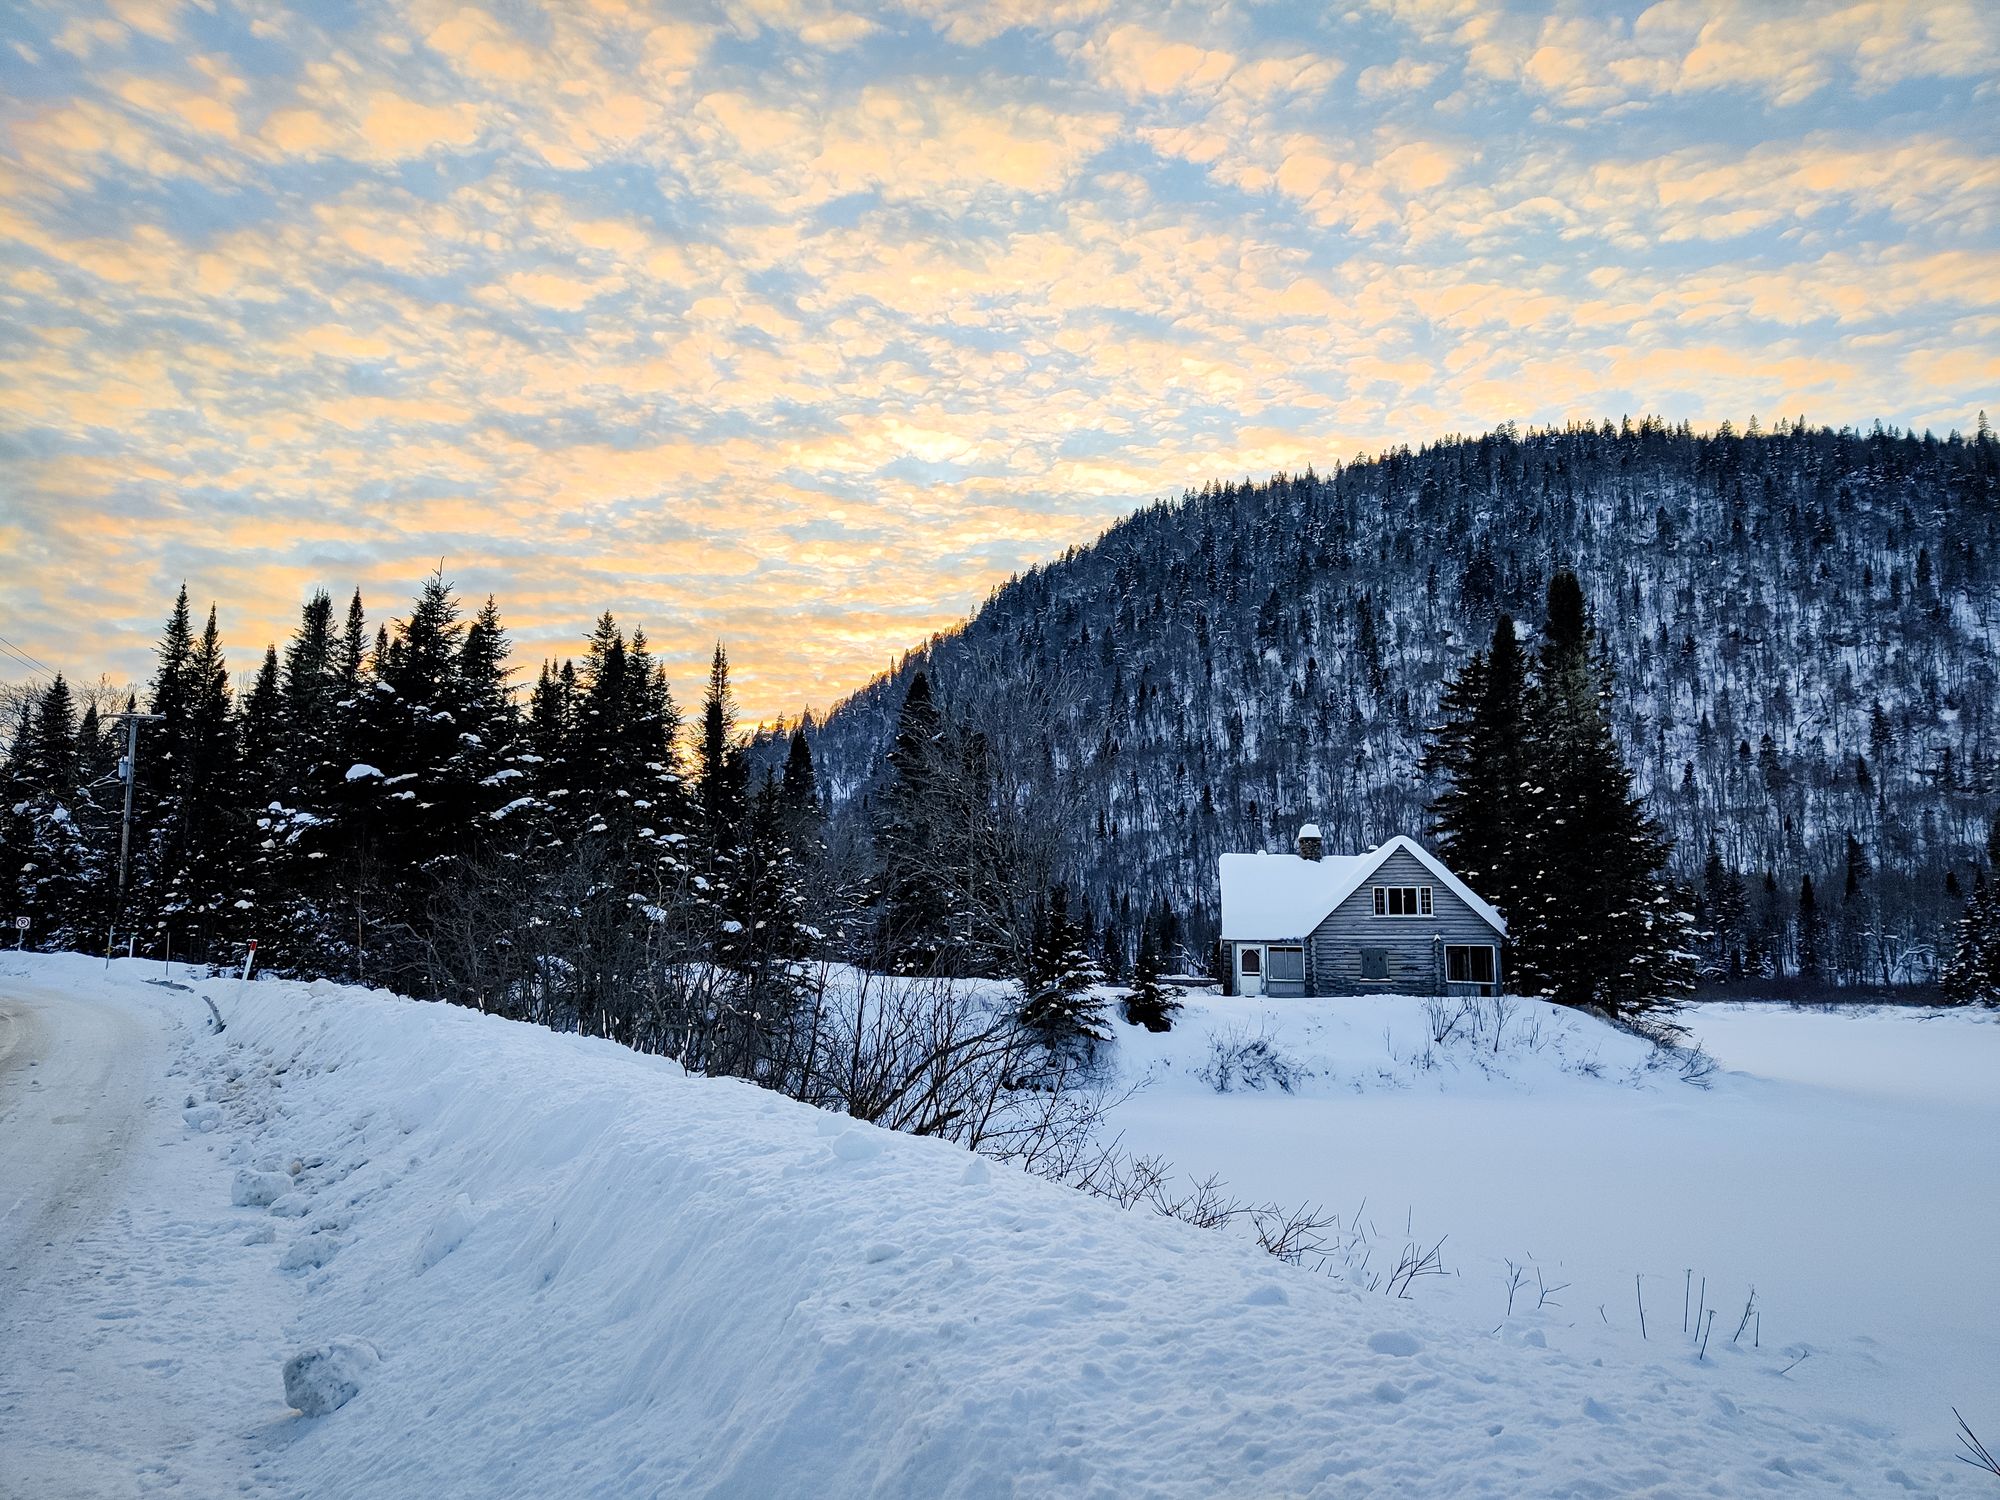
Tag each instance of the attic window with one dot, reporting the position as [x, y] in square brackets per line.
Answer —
[1402, 901]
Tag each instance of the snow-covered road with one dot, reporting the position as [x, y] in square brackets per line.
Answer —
[136, 1338]
[72, 1086]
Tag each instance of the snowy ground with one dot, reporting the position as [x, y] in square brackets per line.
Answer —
[586, 1274]
[1844, 1163]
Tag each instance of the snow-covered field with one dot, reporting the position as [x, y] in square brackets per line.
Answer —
[563, 1269]
[1843, 1163]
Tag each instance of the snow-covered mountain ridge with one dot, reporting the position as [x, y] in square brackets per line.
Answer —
[1804, 624]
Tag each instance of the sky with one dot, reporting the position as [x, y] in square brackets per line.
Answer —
[802, 327]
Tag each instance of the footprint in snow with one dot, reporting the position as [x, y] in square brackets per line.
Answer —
[1395, 1342]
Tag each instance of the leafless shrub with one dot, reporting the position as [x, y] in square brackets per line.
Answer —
[1976, 1453]
[1238, 1059]
[1296, 1236]
[1447, 1015]
[1498, 1011]
[1415, 1261]
[1306, 1235]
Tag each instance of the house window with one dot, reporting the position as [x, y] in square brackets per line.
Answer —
[1374, 963]
[1252, 961]
[1402, 901]
[1286, 965]
[1470, 964]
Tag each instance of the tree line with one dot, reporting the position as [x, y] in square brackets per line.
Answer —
[383, 804]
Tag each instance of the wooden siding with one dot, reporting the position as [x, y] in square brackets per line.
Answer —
[1416, 957]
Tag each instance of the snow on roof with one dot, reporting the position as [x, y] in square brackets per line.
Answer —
[1285, 896]
[1282, 895]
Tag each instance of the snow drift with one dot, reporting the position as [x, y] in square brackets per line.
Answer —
[498, 1262]
[589, 1274]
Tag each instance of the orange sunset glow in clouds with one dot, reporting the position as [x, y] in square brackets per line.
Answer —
[801, 326]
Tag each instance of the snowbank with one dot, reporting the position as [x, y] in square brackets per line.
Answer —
[588, 1274]
[1840, 1164]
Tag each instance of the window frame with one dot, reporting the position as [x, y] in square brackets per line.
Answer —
[1492, 953]
[1272, 950]
[1250, 961]
[1419, 896]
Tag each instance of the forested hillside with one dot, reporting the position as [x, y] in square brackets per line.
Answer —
[1802, 624]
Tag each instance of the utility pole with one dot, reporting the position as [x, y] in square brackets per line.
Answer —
[128, 770]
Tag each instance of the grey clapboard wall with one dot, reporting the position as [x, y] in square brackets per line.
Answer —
[1334, 948]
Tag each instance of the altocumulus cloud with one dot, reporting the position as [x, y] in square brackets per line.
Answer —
[801, 326]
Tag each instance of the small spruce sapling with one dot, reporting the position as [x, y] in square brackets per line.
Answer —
[1150, 1003]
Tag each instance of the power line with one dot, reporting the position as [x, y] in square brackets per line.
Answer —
[31, 662]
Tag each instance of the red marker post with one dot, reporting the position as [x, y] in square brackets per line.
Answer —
[249, 958]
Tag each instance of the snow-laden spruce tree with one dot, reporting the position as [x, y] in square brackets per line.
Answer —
[913, 906]
[52, 832]
[1150, 1003]
[1056, 999]
[1972, 975]
[1592, 921]
[1480, 749]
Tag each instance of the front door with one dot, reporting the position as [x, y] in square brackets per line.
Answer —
[1249, 971]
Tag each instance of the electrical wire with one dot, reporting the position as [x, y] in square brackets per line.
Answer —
[32, 663]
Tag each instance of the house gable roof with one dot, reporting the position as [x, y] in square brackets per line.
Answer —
[1268, 896]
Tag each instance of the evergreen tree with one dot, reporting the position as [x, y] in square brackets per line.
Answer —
[800, 796]
[263, 734]
[721, 772]
[1480, 815]
[53, 869]
[196, 821]
[721, 784]
[1594, 924]
[914, 917]
[1150, 1003]
[1972, 975]
[311, 687]
[1057, 1003]
[1811, 933]
[1724, 908]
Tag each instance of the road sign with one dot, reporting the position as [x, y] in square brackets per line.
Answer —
[21, 924]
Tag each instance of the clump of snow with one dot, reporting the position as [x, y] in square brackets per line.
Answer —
[447, 1232]
[361, 772]
[326, 1378]
[259, 1189]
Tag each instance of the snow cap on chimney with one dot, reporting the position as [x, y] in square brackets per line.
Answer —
[1309, 841]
